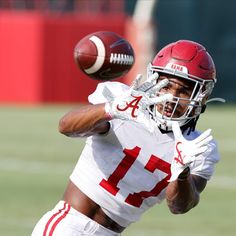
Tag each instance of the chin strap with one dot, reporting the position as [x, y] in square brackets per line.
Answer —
[212, 100]
[216, 100]
[191, 125]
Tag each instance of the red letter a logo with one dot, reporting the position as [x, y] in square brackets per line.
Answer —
[132, 104]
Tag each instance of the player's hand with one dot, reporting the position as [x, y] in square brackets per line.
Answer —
[133, 104]
[186, 151]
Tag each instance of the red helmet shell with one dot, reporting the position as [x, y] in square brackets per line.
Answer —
[188, 57]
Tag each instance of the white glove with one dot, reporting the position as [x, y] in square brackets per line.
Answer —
[133, 104]
[186, 151]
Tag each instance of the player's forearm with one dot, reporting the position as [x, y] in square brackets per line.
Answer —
[182, 195]
[84, 121]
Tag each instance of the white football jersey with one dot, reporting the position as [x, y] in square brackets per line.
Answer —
[127, 170]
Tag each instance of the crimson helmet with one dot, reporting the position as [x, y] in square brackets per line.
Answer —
[187, 60]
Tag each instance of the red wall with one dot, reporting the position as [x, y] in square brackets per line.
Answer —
[36, 55]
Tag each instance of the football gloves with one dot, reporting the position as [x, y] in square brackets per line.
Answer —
[133, 103]
[186, 151]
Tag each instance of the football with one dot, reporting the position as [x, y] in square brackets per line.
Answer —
[104, 55]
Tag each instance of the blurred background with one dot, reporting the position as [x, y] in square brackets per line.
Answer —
[37, 38]
[40, 82]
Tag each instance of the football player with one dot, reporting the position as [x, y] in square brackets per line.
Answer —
[141, 147]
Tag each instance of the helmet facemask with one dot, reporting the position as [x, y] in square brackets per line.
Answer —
[185, 63]
[181, 109]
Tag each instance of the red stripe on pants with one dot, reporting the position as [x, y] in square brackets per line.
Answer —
[57, 221]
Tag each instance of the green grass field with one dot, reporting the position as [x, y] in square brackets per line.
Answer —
[36, 161]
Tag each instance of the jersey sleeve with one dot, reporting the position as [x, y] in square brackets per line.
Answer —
[204, 164]
[116, 88]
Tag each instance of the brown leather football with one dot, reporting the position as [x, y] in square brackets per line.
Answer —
[104, 55]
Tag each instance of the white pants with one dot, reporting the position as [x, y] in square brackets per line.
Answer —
[63, 220]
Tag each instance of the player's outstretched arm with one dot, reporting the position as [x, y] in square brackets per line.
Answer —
[184, 193]
[84, 121]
